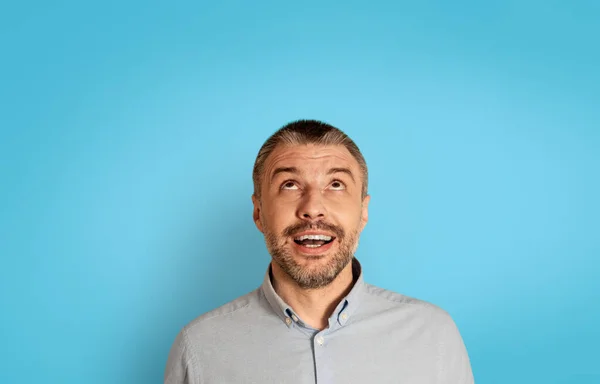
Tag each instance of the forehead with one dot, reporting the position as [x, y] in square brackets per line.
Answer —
[310, 156]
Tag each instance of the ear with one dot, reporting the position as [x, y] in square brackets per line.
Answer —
[364, 215]
[256, 213]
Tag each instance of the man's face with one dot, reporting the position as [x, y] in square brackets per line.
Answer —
[311, 211]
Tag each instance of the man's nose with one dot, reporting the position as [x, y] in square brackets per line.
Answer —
[311, 206]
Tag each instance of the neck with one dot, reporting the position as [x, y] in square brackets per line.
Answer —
[314, 306]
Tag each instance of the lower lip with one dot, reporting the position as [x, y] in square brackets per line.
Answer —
[314, 251]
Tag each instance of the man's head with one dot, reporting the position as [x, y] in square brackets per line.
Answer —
[310, 200]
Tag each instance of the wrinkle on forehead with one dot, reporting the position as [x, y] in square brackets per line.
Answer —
[308, 152]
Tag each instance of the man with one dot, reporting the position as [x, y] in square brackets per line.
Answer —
[314, 319]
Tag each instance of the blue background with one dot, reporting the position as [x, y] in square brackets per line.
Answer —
[129, 130]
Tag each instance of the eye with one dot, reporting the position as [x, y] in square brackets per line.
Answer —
[289, 185]
[337, 185]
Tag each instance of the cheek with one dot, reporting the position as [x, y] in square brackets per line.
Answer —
[349, 219]
[277, 217]
[344, 207]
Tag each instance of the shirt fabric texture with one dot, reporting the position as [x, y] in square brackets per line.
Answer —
[374, 336]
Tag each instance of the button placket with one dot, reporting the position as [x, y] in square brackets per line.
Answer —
[320, 340]
[322, 361]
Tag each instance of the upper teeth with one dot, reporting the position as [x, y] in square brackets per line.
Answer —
[314, 237]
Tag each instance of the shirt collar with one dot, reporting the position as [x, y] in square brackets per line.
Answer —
[342, 313]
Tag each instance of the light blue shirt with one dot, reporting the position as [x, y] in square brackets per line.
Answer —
[374, 336]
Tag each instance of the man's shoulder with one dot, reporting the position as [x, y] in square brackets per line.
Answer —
[232, 311]
[389, 300]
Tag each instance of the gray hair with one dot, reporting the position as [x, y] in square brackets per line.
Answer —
[303, 132]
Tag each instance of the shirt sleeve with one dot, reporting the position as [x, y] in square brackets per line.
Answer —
[178, 364]
[455, 365]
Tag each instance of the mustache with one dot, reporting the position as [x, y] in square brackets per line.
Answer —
[319, 225]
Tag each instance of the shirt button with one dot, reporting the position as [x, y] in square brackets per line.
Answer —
[288, 321]
[344, 316]
[320, 340]
[295, 317]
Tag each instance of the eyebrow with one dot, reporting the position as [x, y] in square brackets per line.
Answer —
[342, 170]
[295, 171]
[284, 170]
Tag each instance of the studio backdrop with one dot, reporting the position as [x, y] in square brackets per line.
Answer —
[129, 132]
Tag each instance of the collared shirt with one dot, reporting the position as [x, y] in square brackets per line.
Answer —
[374, 336]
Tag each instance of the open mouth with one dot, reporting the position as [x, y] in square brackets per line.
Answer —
[313, 241]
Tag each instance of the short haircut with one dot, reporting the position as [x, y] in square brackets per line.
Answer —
[302, 132]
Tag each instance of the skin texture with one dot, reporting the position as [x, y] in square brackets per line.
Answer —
[311, 189]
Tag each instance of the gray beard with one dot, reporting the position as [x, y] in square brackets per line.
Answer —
[307, 278]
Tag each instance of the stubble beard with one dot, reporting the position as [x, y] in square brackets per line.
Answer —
[307, 277]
